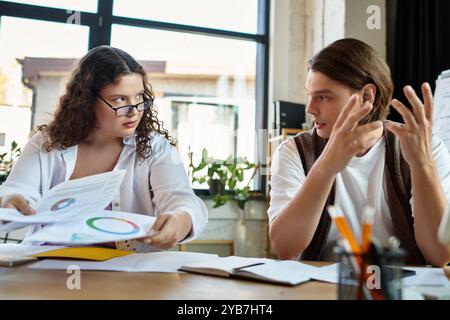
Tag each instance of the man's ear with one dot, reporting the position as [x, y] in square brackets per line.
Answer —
[369, 93]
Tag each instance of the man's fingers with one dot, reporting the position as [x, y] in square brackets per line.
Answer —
[346, 111]
[364, 137]
[428, 101]
[357, 115]
[416, 104]
[406, 114]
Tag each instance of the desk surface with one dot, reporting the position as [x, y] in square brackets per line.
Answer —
[22, 283]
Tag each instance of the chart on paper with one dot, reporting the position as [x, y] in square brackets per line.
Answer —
[71, 199]
[108, 226]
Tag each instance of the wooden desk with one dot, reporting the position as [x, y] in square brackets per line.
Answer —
[22, 283]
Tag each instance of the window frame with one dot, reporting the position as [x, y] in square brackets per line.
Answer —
[100, 26]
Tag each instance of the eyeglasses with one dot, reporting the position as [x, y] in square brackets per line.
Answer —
[126, 110]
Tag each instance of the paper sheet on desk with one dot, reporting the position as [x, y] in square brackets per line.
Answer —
[166, 261]
[291, 272]
[326, 274]
[426, 277]
[71, 198]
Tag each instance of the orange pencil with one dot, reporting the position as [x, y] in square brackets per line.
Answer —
[344, 228]
[351, 244]
[368, 217]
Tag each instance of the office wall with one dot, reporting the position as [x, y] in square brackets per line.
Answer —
[356, 17]
[288, 58]
[299, 29]
[247, 228]
[302, 27]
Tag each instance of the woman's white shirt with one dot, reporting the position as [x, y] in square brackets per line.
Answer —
[37, 171]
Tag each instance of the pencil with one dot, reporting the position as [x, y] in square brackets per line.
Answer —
[353, 221]
[368, 217]
[352, 247]
[344, 228]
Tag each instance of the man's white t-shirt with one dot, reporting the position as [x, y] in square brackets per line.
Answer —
[362, 183]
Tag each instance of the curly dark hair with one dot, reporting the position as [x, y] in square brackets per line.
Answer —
[74, 116]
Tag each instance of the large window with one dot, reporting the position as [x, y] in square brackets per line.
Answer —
[206, 60]
[76, 5]
[33, 71]
[235, 15]
[207, 84]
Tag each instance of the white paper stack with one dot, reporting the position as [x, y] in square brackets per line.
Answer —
[73, 213]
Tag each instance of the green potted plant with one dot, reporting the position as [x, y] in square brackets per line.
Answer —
[7, 160]
[224, 178]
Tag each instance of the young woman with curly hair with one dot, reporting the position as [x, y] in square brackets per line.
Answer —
[106, 120]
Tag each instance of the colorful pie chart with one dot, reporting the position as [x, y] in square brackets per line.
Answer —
[119, 223]
[62, 204]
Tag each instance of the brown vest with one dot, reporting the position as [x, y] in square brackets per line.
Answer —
[398, 181]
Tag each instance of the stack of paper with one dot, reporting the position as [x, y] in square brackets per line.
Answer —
[165, 261]
[73, 213]
[105, 226]
[262, 269]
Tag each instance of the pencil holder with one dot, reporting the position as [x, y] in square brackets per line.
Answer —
[376, 275]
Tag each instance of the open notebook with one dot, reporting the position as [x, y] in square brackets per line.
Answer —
[281, 272]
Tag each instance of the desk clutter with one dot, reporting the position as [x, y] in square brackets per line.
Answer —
[416, 283]
[105, 259]
[367, 271]
[355, 274]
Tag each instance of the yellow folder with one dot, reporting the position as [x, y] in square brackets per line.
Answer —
[84, 253]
